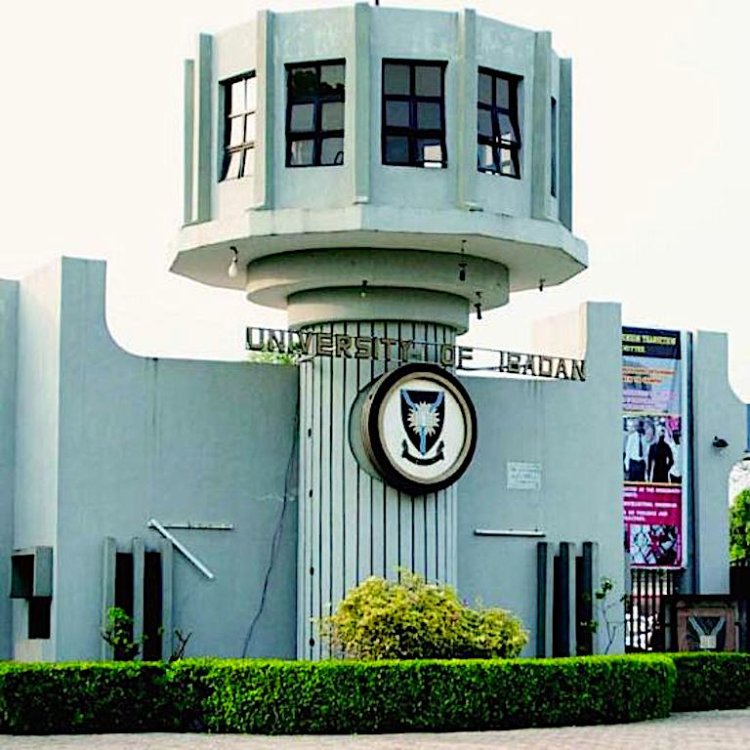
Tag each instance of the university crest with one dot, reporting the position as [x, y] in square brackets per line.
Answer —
[422, 417]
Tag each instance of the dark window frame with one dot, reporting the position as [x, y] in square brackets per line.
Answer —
[412, 131]
[245, 146]
[496, 141]
[317, 99]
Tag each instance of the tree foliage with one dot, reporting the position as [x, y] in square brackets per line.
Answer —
[413, 619]
[739, 527]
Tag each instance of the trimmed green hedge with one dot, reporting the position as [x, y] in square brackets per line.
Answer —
[437, 696]
[708, 681]
[275, 697]
[91, 698]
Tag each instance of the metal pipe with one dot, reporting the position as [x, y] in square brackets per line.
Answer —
[154, 524]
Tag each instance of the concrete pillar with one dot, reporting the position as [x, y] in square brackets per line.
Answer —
[351, 524]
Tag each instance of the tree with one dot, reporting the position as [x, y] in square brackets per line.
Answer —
[739, 527]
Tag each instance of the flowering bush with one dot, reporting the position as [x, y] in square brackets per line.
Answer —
[413, 619]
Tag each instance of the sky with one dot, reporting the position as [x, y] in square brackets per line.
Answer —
[91, 144]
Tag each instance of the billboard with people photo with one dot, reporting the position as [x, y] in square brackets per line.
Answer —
[653, 454]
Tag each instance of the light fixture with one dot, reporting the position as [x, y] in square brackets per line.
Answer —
[363, 290]
[233, 270]
[478, 305]
[462, 263]
[719, 442]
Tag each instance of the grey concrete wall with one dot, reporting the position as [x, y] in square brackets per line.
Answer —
[572, 430]
[717, 412]
[37, 432]
[177, 441]
[8, 363]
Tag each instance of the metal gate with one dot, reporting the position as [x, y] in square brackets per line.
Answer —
[644, 629]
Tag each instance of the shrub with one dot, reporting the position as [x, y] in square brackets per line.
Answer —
[436, 696]
[710, 681]
[82, 697]
[413, 619]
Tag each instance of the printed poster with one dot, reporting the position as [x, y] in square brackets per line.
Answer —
[653, 452]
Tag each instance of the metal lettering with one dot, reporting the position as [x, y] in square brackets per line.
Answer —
[447, 355]
[562, 370]
[325, 344]
[578, 370]
[465, 354]
[363, 347]
[343, 344]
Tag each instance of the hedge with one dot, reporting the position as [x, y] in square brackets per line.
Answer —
[710, 681]
[90, 698]
[277, 697]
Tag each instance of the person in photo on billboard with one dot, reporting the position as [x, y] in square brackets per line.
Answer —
[636, 452]
[673, 441]
[660, 458]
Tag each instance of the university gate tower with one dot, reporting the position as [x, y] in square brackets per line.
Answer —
[381, 174]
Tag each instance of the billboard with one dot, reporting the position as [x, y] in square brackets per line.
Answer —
[654, 455]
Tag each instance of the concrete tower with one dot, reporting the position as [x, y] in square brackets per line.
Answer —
[380, 174]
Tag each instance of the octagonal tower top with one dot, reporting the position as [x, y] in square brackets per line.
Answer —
[424, 150]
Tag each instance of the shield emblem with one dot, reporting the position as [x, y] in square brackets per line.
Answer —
[422, 417]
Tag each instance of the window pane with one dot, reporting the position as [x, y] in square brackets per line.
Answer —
[428, 80]
[430, 150]
[397, 114]
[485, 159]
[485, 88]
[397, 149]
[332, 151]
[234, 166]
[251, 94]
[249, 128]
[333, 116]
[506, 162]
[506, 129]
[302, 153]
[303, 118]
[331, 79]
[304, 81]
[428, 115]
[248, 167]
[484, 122]
[502, 93]
[396, 79]
[237, 98]
[236, 133]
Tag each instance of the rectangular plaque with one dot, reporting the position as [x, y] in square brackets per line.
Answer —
[523, 475]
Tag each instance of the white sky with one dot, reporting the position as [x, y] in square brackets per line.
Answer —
[91, 143]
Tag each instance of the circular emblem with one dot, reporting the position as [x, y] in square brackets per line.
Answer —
[418, 428]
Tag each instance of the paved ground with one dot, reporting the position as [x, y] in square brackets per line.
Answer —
[693, 731]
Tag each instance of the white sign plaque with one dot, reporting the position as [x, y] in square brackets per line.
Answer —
[523, 475]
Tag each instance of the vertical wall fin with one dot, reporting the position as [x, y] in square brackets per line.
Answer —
[189, 139]
[139, 565]
[109, 561]
[203, 163]
[167, 598]
[540, 162]
[565, 140]
[467, 121]
[264, 154]
[359, 104]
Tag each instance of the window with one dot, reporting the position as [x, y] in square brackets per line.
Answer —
[240, 97]
[414, 114]
[315, 114]
[498, 132]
